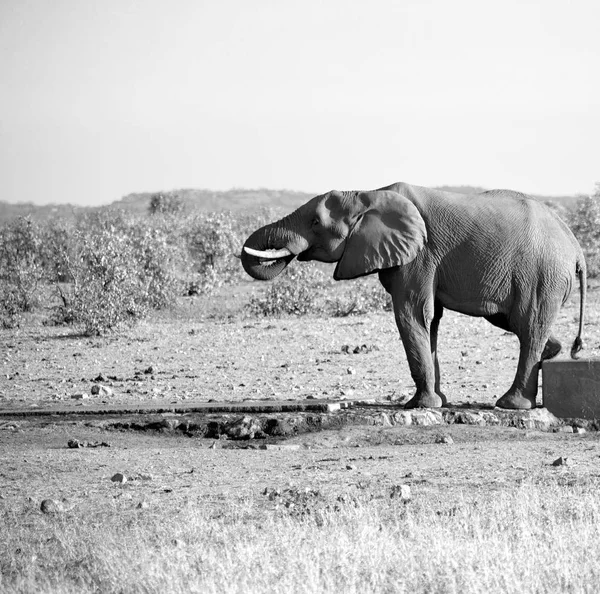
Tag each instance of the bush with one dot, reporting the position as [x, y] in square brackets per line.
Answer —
[297, 290]
[585, 223]
[21, 269]
[361, 297]
[117, 269]
[166, 203]
[308, 288]
[214, 240]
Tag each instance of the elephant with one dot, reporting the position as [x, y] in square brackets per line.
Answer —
[496, 254]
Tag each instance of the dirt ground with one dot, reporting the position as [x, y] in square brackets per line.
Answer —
[196, 357]
[169, 472]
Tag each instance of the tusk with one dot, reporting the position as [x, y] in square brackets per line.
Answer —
[269, 254]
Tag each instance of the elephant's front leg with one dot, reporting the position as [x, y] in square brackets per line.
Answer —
[414, 325]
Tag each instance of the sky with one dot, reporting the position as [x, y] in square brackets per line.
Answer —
[101, 99]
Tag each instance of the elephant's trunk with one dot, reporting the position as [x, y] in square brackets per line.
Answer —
[265, 255]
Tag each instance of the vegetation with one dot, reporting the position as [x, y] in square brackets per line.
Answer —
[585, 223]
[532, 538]
[106, 267]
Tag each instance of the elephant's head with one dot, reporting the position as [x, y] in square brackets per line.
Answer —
[362, 231]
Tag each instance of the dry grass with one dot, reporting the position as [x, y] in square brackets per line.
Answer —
[537, 537]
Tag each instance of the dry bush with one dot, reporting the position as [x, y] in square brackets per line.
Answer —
[585, 223]
[298, 290]
[109, 268]
[21, 269]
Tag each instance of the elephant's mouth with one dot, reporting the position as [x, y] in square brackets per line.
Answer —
[265, 264]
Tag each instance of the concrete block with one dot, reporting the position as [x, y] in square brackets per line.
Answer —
[571, 388]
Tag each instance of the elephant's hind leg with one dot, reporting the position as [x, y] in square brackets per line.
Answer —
[537, 343]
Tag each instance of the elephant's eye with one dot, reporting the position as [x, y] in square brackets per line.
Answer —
[316, 222]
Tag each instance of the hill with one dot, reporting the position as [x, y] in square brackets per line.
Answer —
[210, 200]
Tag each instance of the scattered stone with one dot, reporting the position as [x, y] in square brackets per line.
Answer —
[52, 506]
[79, 396]
[351, 371]
[75, 443]
[561, 462]
[143, 505]
[401, 492]
[118, 478]
[99, 389]
[141, 477]
[579, 430]
[149, 370]
[564, 429]
[358, 350]
[350, 467]
[444, 439]
[99, 378]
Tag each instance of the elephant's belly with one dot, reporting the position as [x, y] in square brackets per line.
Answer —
[476, 302]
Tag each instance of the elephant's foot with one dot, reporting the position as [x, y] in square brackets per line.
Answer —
[516, 401]
[425, 400]
[552, 348]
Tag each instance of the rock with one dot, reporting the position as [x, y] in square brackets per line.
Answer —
[350, 467]
[444, 439]
[52, 506]
[245, 428]
[422, 417]
[564, 429]
[351, 371]
[279, 447]
[579, 430]
[401, 492]
[75, 443]
[537, 418]
[561, 462]
[170, 423]
[99, 389]
[149, 370]
[118, 478]
[79, 396]
[143, 505]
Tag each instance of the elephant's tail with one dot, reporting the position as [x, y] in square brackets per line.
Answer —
[578, 342]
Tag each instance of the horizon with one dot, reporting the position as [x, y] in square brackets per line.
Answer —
[103, 101]
[256, 189]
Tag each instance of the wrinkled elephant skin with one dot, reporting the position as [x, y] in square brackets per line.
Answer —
[495, 254]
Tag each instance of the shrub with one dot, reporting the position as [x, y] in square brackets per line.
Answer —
[21, 269]
[214, 240]
[298, 291]
[585, 223]
[117, 269]
[166, 203]
[361, 297]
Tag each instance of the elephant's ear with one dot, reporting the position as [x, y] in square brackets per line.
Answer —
[390, 232]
